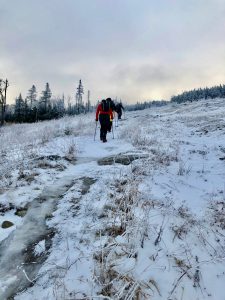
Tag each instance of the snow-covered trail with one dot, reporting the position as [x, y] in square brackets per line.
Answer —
[18, 264]
[154, 228]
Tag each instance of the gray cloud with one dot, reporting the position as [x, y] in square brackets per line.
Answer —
[132, 49]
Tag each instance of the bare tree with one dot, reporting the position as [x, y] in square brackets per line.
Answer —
[4, 84]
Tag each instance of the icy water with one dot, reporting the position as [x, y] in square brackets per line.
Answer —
[18, 264]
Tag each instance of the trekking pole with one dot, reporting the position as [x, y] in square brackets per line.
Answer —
[116, 121]
[95, 130]
[112, 131]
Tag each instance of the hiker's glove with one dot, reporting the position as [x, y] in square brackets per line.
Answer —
[96, 120]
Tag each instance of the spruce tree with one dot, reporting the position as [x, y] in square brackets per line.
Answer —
[20, 109]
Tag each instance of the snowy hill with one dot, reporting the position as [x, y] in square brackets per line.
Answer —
[139, 217]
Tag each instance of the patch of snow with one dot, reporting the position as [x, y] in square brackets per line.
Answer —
[39, 248]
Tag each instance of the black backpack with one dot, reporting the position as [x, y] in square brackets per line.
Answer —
[111, 103]
[105, 106]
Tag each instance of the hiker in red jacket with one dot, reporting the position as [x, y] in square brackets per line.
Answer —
[104, 114]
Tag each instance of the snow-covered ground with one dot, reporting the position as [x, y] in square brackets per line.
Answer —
[139, 217]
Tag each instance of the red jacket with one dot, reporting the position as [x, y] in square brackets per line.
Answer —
[99, 111]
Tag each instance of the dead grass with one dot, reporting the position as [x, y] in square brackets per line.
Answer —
[27, 176]
[218, 214]
[180, 232]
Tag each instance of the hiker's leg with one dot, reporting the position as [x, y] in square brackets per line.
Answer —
[110, 126]
[101, 127]
[104, 131]
[101, 134]
[104, 128]
[106, 125]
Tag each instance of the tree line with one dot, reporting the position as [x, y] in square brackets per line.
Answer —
[146, 104]
[201, 93]
[46, 107]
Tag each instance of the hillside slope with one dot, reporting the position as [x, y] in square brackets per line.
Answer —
[140, 217]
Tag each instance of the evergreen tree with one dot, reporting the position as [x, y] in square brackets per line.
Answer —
[88, 104]
[44, 107]
[79, 101]
[46, 96]
[201, 93]
[32, 97]
[19, 109]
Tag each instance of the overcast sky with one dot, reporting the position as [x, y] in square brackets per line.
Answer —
[134, 49]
